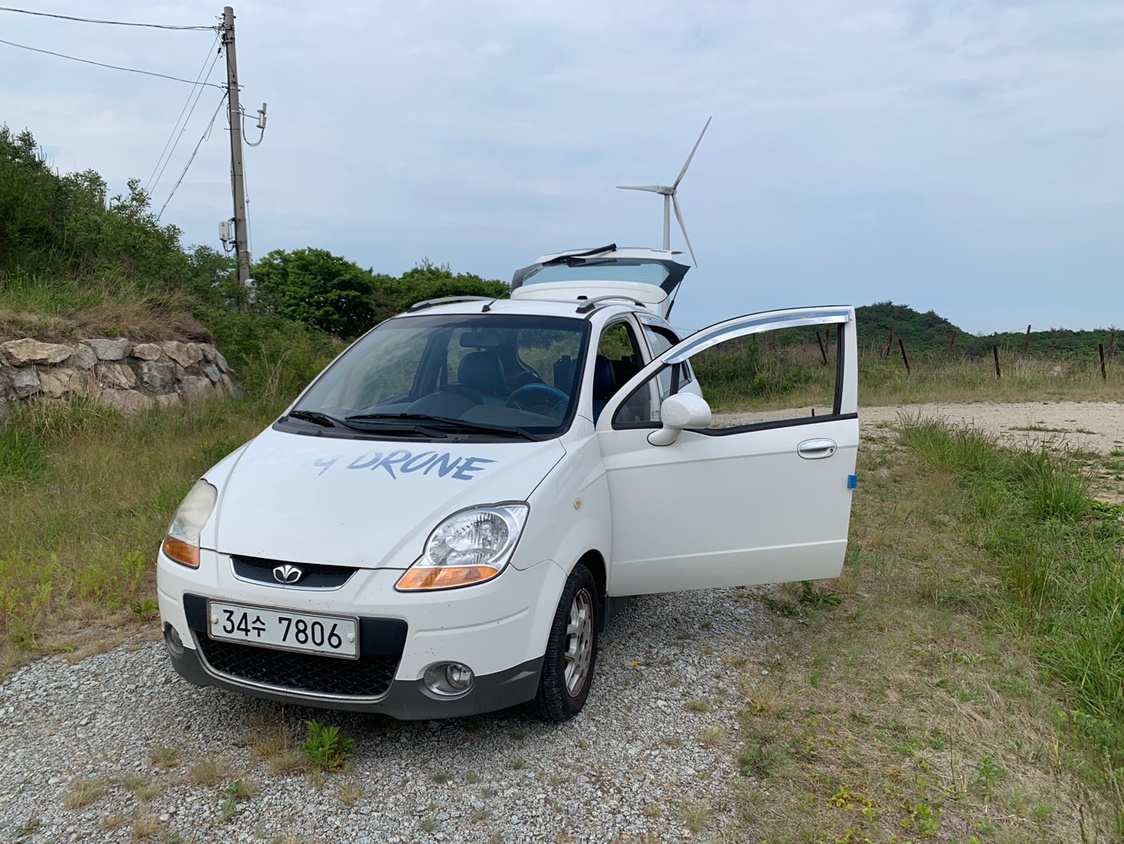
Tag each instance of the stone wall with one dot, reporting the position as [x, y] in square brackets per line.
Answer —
[130, 376]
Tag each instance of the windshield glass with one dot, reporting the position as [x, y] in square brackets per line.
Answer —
[617, 269]
[452, 375]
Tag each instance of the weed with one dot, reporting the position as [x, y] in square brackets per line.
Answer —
[206, 772]
[82, 792]
[713, 736]
[351, 792]
[988, 775]
[240, 790]
[698, 705]
[696, 816]
[440, 777]
[163, 756]
[325, 748]
[428, 824]
[146, 826]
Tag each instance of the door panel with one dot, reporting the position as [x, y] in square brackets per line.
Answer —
[765, 500]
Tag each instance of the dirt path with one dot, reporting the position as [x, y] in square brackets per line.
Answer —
[1087, 426]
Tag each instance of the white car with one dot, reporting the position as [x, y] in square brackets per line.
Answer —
[443, 521]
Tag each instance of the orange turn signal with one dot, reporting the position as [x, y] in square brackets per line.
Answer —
[182, 552]
[443, 577]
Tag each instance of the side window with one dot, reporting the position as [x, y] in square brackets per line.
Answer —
[661, 339]
[787, 376]
[618, 359]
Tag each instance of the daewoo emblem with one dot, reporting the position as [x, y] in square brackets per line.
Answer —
[287, 573]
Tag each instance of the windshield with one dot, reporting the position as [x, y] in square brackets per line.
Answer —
[454, 376]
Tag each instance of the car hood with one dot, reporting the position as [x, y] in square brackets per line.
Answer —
[363, 503]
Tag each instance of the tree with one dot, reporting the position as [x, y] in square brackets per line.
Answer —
[429, 281]
[317, 288]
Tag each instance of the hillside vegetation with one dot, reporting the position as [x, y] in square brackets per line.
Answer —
[882, 324]
[76, 262]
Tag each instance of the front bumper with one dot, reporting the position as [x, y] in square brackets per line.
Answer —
[498, 628]
[406, 700]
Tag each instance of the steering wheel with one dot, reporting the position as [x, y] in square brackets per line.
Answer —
[538, 396]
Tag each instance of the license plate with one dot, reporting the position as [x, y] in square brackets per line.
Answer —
[283, 630]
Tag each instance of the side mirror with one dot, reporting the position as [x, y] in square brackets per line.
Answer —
[683, 410]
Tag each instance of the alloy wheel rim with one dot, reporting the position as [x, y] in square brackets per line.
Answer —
[579, 642]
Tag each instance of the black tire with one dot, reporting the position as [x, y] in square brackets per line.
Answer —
[571, 649]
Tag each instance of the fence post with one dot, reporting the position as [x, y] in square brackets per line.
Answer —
[1026, 340]
[905, 360]
[823, 351]
[1100, 348]
[995, 351]
[889, 343]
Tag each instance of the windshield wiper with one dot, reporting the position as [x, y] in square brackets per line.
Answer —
[445, 421]
[316, 417]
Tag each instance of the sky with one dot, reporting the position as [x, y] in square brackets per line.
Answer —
[962, 156]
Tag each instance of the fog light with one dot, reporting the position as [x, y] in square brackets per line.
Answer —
[172, 640]
[448, 678]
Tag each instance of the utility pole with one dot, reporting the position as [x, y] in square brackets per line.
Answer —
[236, 177]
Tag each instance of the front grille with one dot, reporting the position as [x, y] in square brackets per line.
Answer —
[364, 677]
[381, 642]
[316, 575]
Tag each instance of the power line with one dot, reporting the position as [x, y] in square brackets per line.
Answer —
[110, 66]
[206, 134]
[174, 138]
[111, 23]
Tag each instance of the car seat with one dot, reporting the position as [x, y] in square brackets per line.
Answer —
[604, 384]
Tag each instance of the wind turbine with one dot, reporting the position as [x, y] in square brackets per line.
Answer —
[669, 199]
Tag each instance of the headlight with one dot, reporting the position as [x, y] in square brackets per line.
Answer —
[469, 547]
[182, 542]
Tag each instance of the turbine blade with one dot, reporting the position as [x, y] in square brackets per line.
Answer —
[683, 172]
[683, 228]
[652, 188]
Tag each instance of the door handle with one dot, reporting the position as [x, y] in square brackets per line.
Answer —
[816, 449]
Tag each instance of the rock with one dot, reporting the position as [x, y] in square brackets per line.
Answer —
[147, 351]
[212, 372]
[25, 382]
[221, 361]
[84, 357]
[185, 354]
[167, 399]
[110, 349]
[127, 401]
[208, 351]
[195, 388]
[159, 376]
[228, 387]
[58, 383]
[116, 375]
[26, 351]
[4, 413]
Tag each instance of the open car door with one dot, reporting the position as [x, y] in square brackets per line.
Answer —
[763, 498]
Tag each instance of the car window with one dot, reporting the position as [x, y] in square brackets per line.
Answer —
[618, 359]
[780, 377]
[660, 339]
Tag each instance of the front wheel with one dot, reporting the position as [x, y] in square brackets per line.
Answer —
[571, 649]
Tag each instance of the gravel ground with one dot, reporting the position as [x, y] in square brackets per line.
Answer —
[634, 763]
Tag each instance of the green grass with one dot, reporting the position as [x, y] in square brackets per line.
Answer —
[964, 682]
[88, 494]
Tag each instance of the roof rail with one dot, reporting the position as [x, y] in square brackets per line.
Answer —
[429, 303]
[589, 304]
